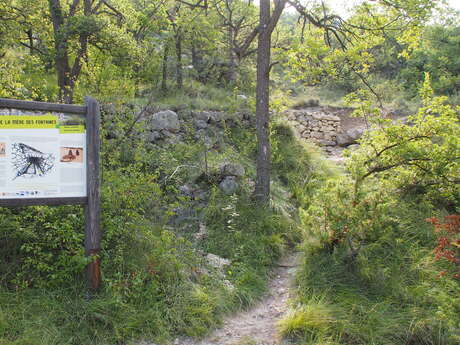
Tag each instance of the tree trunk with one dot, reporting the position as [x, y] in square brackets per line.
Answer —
[197, 62]
[230, 43]
[262, 189]
[67, 76]
[61, 57]
[232, 73]
[232, 64]
[267, 24]
[179, 76]
[30, 37]
[164, 74]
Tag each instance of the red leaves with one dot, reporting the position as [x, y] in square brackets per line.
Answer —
[448, 247]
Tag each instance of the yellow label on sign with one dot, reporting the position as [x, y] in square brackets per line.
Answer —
[28, 122]
[71, 129]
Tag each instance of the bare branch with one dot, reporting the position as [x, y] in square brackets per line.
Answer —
[32, 48]
[382, 151]
[73, 7]
[199, 4]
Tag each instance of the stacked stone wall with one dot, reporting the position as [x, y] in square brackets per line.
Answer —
[315, 125]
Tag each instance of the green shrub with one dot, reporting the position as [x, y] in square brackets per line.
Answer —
[296, 164]
[418, 156]
[315, 317]
[368, 249]
[43, 246]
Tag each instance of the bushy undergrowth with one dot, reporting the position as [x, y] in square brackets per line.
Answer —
[298, 165]
[197, 96]
[369, 273]
[157, 280]
[386, 292]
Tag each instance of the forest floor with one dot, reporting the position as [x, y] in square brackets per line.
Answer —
[257, 325]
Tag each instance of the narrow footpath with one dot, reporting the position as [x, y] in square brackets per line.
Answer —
[257, 325]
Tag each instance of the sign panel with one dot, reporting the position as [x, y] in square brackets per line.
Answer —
[42, 154]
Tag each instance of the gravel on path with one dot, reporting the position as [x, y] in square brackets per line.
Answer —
[257, 325]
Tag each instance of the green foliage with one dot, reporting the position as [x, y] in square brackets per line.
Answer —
[371, 263]
[296, 164]
[42, 246]
[258, 233]
[419, 155]
[369, 276]
[198, 96]
[314, 318]
[157, 282]
[368, 249]
[437, 55]
[253, 238]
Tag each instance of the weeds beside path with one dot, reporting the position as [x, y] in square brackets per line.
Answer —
[258, 324]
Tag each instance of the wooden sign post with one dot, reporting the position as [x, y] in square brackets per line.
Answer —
[48, 158]
[93, 205]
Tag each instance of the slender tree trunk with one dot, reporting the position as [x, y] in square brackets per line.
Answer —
[83, 49]
[179, 76]
[267, 24]
[61, 57]
[67, 75]
[30, 37]
[197, 62]
[262, 189]
[164, 74]
[232, 73]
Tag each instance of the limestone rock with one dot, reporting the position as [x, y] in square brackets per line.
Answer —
[186, 190]
[317, 135]
[214, 117]
[325, 142]
[355, 133]
[322, 116]
[353, 147]
[228, 285]
[344, 140]
[202, 233]
[201, 116]
[153, 136]
[349, 137]
[200, 124]
[232, 169]
[229, 185]
[216, 261]
[166, 120]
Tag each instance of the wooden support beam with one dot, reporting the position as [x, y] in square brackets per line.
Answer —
[93, 207]
[43, 201]
[41, 106]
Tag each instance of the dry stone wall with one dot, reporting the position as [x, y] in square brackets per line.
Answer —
[316, 125]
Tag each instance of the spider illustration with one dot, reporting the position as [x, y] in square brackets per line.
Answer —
[30, 162]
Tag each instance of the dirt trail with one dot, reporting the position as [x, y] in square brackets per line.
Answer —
[258, 324]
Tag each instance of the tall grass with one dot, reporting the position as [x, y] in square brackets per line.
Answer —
[197, 96]
[157, 282]
[392, 294]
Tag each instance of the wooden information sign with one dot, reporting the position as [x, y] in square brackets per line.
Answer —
[49, 155]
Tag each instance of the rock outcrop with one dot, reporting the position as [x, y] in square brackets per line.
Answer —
[166, 120]
[349, 137]
[230, 173]
[316, 125]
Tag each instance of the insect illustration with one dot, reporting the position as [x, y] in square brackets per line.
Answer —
[30, 162]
